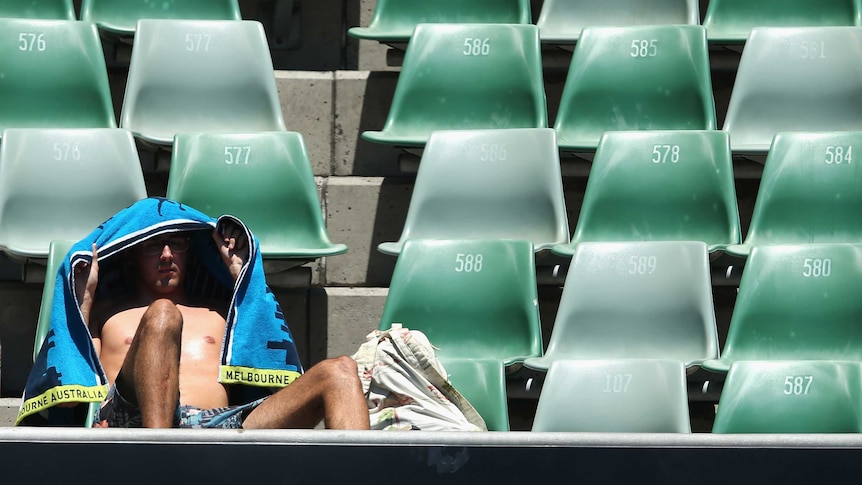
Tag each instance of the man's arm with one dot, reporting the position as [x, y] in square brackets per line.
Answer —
[233, 245]
[86, 281]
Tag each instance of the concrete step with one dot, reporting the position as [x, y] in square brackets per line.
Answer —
[9, 410]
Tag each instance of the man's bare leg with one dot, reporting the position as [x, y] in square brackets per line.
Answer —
[150, 373]
[329, 391]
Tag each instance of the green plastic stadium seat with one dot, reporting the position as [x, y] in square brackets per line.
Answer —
[796, 302]
[791, 397]
[488, 184]
[660, 185]
[476, 300]
[264, 179]
[393, 21]
[622, 395]
[730, 21]
[561, 21]
[794, 79]
[54, 76]
[635, 78]
[195, 76]
[56, 253]
[635, 300]
[63, 183]
[38, 9]
[121, 16]
[466, 76]
[810, 192]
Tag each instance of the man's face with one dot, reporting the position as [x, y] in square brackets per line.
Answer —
[162, 262]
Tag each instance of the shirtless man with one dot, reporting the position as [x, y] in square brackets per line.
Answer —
[162, 348]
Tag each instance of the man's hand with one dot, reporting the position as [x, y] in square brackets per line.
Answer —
[232, 243]
[86, 281]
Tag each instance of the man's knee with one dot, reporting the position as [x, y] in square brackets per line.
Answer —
[341, 368]
[163, 318]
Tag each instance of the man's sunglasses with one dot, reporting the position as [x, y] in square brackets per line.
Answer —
[153, 247]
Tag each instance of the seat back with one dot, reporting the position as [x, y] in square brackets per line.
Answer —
[472, 298]
[264, 179]
[62, 183]
[561, 21]
[54, 76]
[623, 395]
[730, 21]
[394, 20]
[635, 78]
[797, 302]
[791, 397]
[795, 79]
[627, 300]
[810, 191]
[660, 185]
[38, 9]
[488, 184]
[476, 301]
[57, 251]
[466, 76]
[200, 76]
[56, 255]
[121, 16]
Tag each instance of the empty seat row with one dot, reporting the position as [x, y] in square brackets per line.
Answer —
[642, 186]
[184, 76]
[470, 76]
[561, 21]
[59, 184]
[633, 301]
[121, 16]
[650, 396]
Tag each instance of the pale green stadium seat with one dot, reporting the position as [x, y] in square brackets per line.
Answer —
[476, 300]
[393, 21]
[265, 179]
[466, 76]
[794, 79]
[660, 185]
[730, 21]
[796, 302]
[791, 397]
[561, 21]
[810, 192]
[57, 252]
[121, 16]
[614, 396]
[38, 9]
[63, 183]
[488, 184]
[54, 76]
[196, 76]
[635, 78]
[635, 300]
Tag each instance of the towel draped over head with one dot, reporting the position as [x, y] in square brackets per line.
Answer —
[257, 350]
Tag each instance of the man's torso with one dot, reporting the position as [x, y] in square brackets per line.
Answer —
[203, 332]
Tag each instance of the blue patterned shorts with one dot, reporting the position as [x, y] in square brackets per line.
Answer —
[120, 413]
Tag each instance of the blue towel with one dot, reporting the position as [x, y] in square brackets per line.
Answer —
[258, 349]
